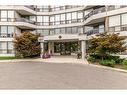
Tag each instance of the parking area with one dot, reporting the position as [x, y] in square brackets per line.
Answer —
[39, 75]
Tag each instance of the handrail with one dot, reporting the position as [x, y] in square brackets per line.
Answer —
[16, 20]
[96, 11]
[91, 32]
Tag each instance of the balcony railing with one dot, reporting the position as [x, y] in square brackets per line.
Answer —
[118, 28]
[91, 32]
[6, 51]
[31, 7]
[50, 9]
[101, 10]
[5, 35]
[16, 20]
[96, 11]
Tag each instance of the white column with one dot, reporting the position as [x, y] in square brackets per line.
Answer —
[52, 48]
[42, 47]
[49, 47]
[83, 49]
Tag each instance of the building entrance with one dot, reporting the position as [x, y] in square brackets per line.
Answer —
[65, 48]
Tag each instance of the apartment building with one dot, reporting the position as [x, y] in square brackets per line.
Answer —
[63, 30]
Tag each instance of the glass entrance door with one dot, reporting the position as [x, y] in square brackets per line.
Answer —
[65, 48]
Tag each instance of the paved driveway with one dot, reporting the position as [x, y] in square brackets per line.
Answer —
[37, 75]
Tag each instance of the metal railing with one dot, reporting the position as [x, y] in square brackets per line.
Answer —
[101, 10]
[16, 20]
[96, 11]
[6, 51]
[50, 9]
[91, 32]
[5, 35]
[118, 28]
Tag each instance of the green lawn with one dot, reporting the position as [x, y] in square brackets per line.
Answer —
[7, 57]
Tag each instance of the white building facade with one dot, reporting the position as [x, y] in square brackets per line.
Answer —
[63, 30]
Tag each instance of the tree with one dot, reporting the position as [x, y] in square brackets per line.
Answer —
[107, 43]
[27, 45]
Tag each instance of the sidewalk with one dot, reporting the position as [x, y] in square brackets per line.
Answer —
[53, 59]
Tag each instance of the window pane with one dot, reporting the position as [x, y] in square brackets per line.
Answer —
[3, 29]
[74, 30]
[10, 14]
[62, 30]
[39, 19]
[46, 18]
[68, 16]
[3, 47]
[3, 15]
[32, 18]
[124, 19]
[62, 17]
[74, 15]
[68, 31]
[45, 32]
[10, 45]
[10, 29]
[57, 31]
[114, 20]
[80, 14]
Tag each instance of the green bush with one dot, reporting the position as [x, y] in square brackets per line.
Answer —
[124, 64]
[110, 63]
[91, 59]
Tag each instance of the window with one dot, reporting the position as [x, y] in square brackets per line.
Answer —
[68, 30]
[52, 32]
[79, 30]
[33, 18]
[114, 20]
[11, 29]
[45, 32]
[124, 19]
[62, 30]
[39, 19]
[3, 47]
[80, 15]
[68, 16]
[10, 47]
[3, 15]
[57, 31]
[57, 19]
[74, 15]
[46, 20]
[4, 30]
[52, 19]
[62, 18]
[74, 30]
[101, 28]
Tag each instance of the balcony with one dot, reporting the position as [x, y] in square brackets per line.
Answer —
[96, 11]
[16, 20]
[91, 32]
[5, 35]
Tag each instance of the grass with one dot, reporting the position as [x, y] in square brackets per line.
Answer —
[7, 57]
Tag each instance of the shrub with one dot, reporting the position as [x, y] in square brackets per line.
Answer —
[117, 59]
[91, 59]
[110, 63]
[124, 64]
[96, 56]
[27, 45]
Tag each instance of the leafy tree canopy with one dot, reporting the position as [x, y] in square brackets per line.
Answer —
[27, 45]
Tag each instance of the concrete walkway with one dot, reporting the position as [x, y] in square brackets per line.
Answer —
[53, 59]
